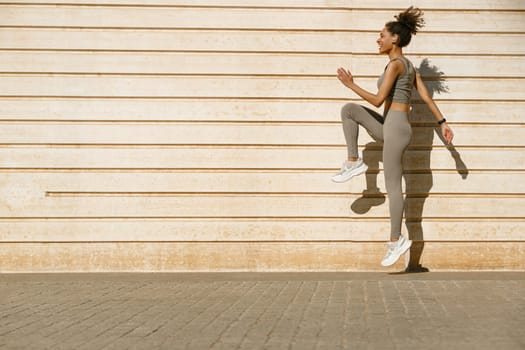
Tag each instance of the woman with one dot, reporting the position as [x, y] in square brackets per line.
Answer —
[393, 128]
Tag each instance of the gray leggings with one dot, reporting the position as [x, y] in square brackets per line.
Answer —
[395, 132]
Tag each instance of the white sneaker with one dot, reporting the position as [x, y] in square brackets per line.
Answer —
[395, 250]
[349, 170]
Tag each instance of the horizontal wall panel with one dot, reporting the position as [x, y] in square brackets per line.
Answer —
[173, 40]
[143, 17]
[246, 18]
[280, 181]
[252, 41]
[246, 87]
[249, 64]
[433, 67]
[171, 63]
[456, 44]
[320, 4]
[27, 204]
[249, 157]
[191, 3]
[253, 230]
[440, 21]
[424, 4]
[238, 134]
[237, 110]
[292, 256]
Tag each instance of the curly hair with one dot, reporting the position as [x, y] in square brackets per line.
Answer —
[407, 23]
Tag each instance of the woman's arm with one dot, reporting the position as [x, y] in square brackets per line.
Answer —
[425, 96]
[391, 73]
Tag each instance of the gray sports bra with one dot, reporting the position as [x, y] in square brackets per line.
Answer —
[402, 89]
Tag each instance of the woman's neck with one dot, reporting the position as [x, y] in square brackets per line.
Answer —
[395, 53]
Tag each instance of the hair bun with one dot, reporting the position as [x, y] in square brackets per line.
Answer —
[411, 18]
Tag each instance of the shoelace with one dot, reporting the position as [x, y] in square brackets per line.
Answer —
[343, 169]
[391, 248]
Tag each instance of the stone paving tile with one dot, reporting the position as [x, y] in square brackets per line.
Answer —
[263, 311]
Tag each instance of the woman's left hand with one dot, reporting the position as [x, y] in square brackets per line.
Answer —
[447, 133]
[345, 77]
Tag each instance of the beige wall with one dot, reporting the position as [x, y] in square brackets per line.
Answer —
[201, 135]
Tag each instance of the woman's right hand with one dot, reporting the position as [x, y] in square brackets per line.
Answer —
[345, 77]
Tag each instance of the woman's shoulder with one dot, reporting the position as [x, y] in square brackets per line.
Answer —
[396, 64]
[401, 60]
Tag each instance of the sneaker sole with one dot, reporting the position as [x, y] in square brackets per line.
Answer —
[358, 171]
[405, 248]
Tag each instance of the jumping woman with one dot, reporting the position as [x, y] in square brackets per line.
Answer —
[392, 128]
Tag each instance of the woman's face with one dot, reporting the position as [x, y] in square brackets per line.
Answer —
[385, 41]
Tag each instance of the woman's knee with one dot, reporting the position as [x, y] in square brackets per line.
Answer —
[349, 110]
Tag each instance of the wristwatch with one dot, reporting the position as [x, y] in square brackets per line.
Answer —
[442, 121]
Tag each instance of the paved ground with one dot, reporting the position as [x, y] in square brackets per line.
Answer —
[263, 311]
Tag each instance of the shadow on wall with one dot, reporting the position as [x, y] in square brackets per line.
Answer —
[417, 170]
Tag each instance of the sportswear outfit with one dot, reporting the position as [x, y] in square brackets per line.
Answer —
[394, 131]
